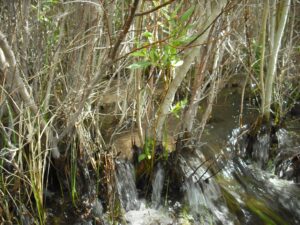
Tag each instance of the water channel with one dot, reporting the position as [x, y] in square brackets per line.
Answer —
[240, 193]
[219, 185]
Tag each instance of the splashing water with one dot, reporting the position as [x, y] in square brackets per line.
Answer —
[148, 216]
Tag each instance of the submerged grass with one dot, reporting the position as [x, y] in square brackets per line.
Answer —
[231, 202]
[268, 216]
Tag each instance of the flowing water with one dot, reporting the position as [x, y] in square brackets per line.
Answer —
[219, 185]
[137, 212]
[125, 181]
[241, 193]
[202, 194]
[157, 186]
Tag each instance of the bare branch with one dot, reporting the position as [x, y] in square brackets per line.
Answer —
[154, 9]
[125, 29]
[16, 83]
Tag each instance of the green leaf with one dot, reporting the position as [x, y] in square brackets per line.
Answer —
[139, 65]
[147, 34]
[187, 14]
[141, 53]
[153, 55]
[179, 106]
[141, 157]
[177, 43]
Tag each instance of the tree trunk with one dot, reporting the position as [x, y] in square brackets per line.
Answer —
[271, 70]
[263, 48]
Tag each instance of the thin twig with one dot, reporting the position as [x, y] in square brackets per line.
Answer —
[154, 9]
[195, 171]
[206, 28]
[125, 29]
[210, 165]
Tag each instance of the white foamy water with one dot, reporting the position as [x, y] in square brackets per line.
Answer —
[148, 216]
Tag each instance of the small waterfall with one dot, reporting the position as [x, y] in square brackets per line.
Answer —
[194, 196]
[237, 143]
[125, 181]
[157, 186]
[206, 204]
[261, 149]
[203, 194]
